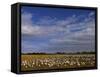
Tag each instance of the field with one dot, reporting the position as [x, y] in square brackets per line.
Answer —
[56, 61]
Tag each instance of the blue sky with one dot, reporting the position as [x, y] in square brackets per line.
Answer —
[57, 30]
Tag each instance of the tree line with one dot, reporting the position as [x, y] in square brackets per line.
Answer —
[82, 52]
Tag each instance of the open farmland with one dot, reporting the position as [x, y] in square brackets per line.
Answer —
[56, 61]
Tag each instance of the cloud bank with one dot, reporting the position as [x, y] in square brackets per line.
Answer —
[51, 34]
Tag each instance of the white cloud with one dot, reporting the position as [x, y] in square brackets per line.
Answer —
[91, 14]
[67, 21]
[84, 36]
[65, 26]
[66, 33]
[29, 28]
[26, 18]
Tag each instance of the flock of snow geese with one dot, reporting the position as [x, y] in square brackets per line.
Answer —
[55, 62]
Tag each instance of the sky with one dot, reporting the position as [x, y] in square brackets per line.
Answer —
[54, 30]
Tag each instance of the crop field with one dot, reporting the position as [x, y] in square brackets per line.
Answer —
[56, 61]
